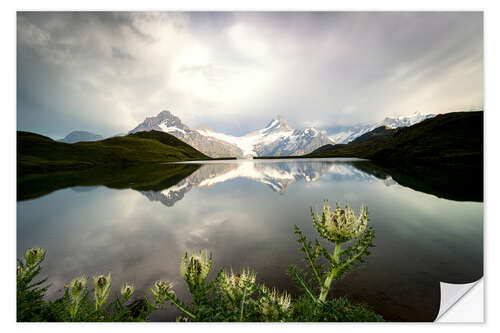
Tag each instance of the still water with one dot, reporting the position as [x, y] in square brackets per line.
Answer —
[243, 211]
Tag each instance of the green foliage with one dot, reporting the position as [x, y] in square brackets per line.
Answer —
[334, 310]
[337, 226]
[76, 304]
[30, 303]
[229, 297]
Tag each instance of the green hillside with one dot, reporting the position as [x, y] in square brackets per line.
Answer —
[379, 133]
[447, 139]
[37, 153]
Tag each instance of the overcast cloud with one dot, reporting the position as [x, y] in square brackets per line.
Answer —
[106, 72]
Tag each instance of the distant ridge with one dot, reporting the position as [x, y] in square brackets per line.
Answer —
[80, 136]
[346, 134]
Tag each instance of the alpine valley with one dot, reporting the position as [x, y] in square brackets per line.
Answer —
[275, 139]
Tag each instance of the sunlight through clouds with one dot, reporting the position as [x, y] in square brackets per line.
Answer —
[105, 72]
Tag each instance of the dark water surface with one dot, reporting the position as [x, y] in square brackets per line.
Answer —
[243, 212]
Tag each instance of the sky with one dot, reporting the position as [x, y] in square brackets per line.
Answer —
[235, 71]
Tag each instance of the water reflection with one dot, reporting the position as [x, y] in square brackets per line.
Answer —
[277, 175]
[244, 212]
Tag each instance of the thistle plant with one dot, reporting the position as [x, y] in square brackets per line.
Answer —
[102, 286]
[230, 296]
[34, 256]
[126, 291]
[77, 291]
[195, 269]
[30, 293]
[337, 226]
[274, 305]
[236, 287]
[163, 292]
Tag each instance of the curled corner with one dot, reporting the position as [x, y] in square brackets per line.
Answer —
[451, 294]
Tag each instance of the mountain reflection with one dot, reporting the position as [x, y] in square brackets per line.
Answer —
[278, 176]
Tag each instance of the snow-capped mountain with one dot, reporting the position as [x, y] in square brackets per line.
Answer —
[346, 134]
[276, 139]
[167, 122]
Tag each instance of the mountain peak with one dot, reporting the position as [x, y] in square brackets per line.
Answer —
[277, 124]
[163, 121]
[165, 114]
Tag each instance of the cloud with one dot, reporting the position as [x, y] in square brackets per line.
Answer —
[120, 55]
[105, 72]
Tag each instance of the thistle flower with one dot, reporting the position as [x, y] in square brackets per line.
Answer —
[127, 290]
[340, 225]
[272, 302]
[163, 288]
[34, 255]
[102, 288]
[76, 288]
[20, 273]
[195, 269]
[235, 285]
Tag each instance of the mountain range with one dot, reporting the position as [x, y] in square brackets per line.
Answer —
[275, 139]
[346, 134]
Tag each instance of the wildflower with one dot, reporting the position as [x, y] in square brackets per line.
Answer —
[163, 288]
[76, 288]
[272, 302]
[195, 269]
[127, 290]
[20, 272]
[340, 225]
[235, 285]
[34, 256]
[102, 288]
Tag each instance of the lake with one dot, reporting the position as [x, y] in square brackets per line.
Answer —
[138, 223]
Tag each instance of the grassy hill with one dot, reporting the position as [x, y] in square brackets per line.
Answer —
[37, 153]
[447, 139]
[379, 133]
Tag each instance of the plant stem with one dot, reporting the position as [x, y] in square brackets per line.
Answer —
[332, 274]
[182, 308]
[243, 303]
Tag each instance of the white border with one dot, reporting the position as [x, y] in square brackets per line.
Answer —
[8, 88]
